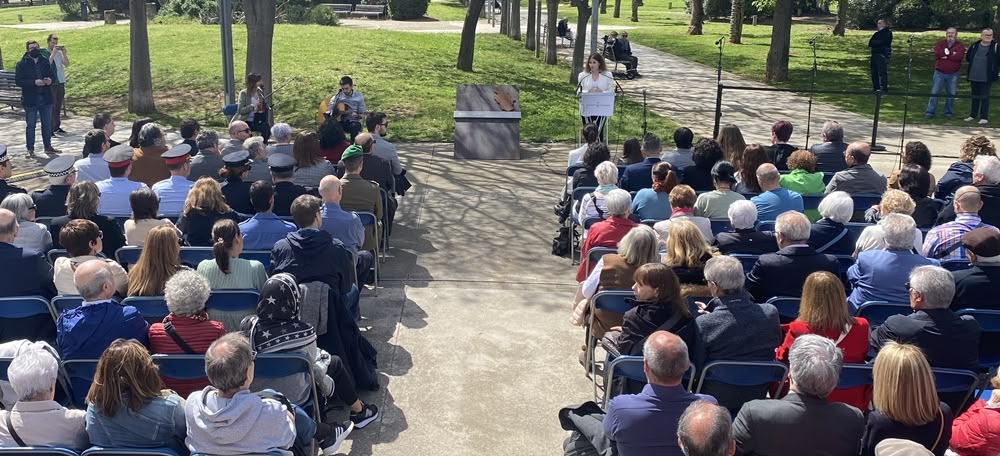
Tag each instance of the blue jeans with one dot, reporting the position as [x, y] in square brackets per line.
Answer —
[305, 427]
[32, 114]
[950, 83]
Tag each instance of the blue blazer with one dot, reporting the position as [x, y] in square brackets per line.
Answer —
[84, 332]
[881, 275]
[638, 176]
[26, 273]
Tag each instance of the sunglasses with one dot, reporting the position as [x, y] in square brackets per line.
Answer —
[247, 131]
[32, 208]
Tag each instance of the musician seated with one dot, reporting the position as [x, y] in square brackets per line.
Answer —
[252, 107]
[348, 107]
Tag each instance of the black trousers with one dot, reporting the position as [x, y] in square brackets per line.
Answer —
[980, 106]
[880, 72]
[343, 384]
[261, 126]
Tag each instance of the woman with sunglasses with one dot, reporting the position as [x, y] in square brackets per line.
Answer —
[30, 235]
[82, 241]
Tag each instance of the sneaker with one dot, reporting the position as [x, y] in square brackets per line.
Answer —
[983, 121]
[330, 444]
[52, 150]
[60, 131]
[368, 413]
[969, 119]
[31, 153]
[928, 115]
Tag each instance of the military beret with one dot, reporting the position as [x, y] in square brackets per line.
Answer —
[353, 150]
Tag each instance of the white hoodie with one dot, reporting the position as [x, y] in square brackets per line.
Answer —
[243, 424]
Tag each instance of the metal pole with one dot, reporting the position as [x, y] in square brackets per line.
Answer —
[878, 108]
[906, 99]
[226, 26]
[812, 43]
[718, 92]
[593, 26]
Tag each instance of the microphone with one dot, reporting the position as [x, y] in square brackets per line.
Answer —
[812, 41]
[643, 92]
[718, 42]
[909, 40]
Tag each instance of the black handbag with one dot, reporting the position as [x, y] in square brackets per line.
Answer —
[561, 243]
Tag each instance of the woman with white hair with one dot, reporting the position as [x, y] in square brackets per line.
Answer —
[828, 234]
[37, 419]
[593, 204]
[282, 135]
[608, 232]
[743, 235]
[893, 202]
[30, 235]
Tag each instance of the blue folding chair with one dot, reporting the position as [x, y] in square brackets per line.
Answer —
[845, 262]
[79, 374]
[746, 260]
[989, 321]
[570, 171]
[877, 312]
[827, 177]
[864, 201]
[152, 308]
[766, 225]
[958, 381]
[578, 194]
[128, 255]
[37, 451]
[263, 256]
[369, 219]
[650, 222]
[630, 367]
[611, 301]
[956, 265]
[181, 367]
[98, 451]
[62, 303]
[231, 306]
[788, 307]
[271, 366]
[743, 373]
[191, 256]
[595, 254]
[229, 110]
[719, 225]
[23, 306]
[811, 202]
[55, 254]
[854, 375]
[384, 248]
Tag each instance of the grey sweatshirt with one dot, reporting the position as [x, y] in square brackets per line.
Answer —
[243, 424]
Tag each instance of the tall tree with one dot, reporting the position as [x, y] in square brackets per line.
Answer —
[260, 37]
[838, 28]
[551, 14]
[140, 80]
[736, 22]
[781, 33]
[604, 6]
[504, 17]
[529, 36]
[697, 17]
[635, 11]
[996, 18]
[515, 19]
[467, 46]
[583, 11]
[618, 9]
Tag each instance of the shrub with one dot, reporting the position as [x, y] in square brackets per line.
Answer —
[718, 8]
[120, 6]
[864, 13]
[407, 9]
[70, 8]
[322, 15]
[912, 14]
[206, 11]
[293, 14]
[961, 13]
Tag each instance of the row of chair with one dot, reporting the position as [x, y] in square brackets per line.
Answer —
[572, 169]
[93, 451]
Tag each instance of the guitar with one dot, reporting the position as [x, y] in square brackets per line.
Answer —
[342, 112]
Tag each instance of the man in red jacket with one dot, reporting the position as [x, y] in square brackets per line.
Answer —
[948, 56]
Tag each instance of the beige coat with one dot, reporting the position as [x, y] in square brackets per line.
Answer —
[63, 274]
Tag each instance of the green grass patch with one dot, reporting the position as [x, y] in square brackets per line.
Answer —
[411, 76]
[31, 14]
[446, 10]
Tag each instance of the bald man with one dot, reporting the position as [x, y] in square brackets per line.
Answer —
[706, 429]
[84, 332]
[773, 200]
[645, 423]
[859, 177]
[25, 273]
[944, 242]
[239, 131]
[343, 225]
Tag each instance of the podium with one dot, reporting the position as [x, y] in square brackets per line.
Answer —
[599, 105]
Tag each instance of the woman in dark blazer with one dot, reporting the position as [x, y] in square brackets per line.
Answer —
[829, 235]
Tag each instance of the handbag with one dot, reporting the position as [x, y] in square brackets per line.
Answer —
[561, 243]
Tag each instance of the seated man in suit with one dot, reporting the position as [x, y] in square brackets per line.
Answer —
[84, 332]
[640, 175]
[25, 273]
[974, 286]
[830, 153]
[782, 273]
[646, 422]
[880, 275]
[803, 419]
[743, 236]
[859, 177]
[706, 429]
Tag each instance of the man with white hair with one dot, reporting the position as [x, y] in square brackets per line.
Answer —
[259, 171]
[646, 423]
[986, 178]
[282, 134]
[84, 332]
[208, 162]
[37, 420]
[944, 242]
[803, 419]
[830, 153]
[829, 234]
[774, 200]
[743, 236]
[784, 272]
[239, 131]
[609, 231]
[880, 275]
[706, 429]
[948, 340]
[974, 286]
[26, 272]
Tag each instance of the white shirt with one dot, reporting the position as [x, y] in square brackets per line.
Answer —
[92, 169]
[604, 83]
[873, 238]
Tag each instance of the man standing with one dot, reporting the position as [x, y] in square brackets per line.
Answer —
[984, 65]
[6, 170]
[174, 190]
[859, 177]
[93, 168]
[56, 55]
[239, 131]
[33, 75]
[640, 175]
[116, 189]
[52, 201]
[209, 161]
[353, 110]
[881, 47]
[264, 229]
[948, 56]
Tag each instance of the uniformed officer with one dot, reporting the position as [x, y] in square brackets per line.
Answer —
[52, 201]
[282, 170]
[116, 189]
[174, 190]
[360, 195]
[236, 188]
[6, 170]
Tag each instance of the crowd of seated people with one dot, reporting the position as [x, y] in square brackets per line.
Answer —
[927, 254]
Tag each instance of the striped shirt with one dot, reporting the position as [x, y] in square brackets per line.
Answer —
[944, 242]
[243, 274]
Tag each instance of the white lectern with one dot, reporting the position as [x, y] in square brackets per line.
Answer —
[597, 106]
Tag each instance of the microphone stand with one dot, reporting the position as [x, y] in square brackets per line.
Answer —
[643, 113]
[906, 98]
[718, 91]
[812, 87]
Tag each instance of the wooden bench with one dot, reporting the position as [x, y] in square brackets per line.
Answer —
[560, 40]
[340, 9]
[10, 93]
[375, 11]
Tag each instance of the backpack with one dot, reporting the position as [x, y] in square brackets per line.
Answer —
[561, 243]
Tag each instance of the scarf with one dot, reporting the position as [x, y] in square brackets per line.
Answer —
[277, 327]
[605, 188]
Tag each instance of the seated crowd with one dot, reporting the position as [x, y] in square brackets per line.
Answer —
[292, 200]
[789, 281]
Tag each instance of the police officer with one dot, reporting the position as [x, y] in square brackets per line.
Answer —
[282, 170]
[174, 190]
[116, 189]
[236, 188]
[52, 201]
[6, 170]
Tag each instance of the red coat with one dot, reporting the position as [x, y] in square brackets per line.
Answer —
[951, 63]
[977, 431]
[605, 233]
[197, 334]
[855, 348]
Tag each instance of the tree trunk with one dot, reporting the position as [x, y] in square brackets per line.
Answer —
[841, 24]
[697, 17]
[604, 6]
[529, 37]
[618, 9]
[504, 17]
[467, 47]
[583, 11]
[260, 36]
[996, 18]
[515, 19]
[635, 11]
[140, 81]
[736, 22]
[551, 15]
[781, 32]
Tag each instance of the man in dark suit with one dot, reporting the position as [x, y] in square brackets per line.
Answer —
[830, 153]
[974, 286]
[744, 237]
[881, 47]
[26, 273]
[784, 272]
[803, 419]
[640, 175]
[706, 429]
[51, 202]
[376, 169]
[780, 150]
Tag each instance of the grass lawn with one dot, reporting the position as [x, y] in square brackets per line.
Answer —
[411, 76]
[842, 61]
[31, 14]
[446, 10]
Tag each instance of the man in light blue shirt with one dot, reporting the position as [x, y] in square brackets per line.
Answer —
[116, 189]
[174, 190]
[262, 230]
[343, 225]
[93, 168]
[774, 200]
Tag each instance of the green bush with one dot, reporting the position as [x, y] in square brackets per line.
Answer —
[718, 8]
[912, 14]
[293, 14]
[407, 9]
[206, 11]
[70, 8]
[120, 6]
[961, 13]
[864, 13]
[322, 15]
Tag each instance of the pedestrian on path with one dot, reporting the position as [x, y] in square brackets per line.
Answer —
[56, 55]
[34, 75]
[948, 55]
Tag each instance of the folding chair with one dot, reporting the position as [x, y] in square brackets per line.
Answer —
[630, 367]
[956, 265]
[854, 375]
[743, 373]
[368, 219]
[128, 255]
[56, 254]
[230, 306]
[864, 201]
[746, 260]
[270, 366]
[595, 254]
[827, 177]
[811, 202]
[767, 225]
[229, 111]
[788, 307]
[191, 256]
[23, 306]
[37, 451]
[263, 256]
[989, 321]
[877, 312]
[720, 225]
[956, 381]
[62, 303]
[384, 248]
[79, 374]
[152, 308]
[577, 194]
[98, 451]
[611, 301]
[181, 367]
[855, 228]
[571, 170]
[845, 262]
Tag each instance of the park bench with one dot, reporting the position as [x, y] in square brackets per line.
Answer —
[560, 40]
[375, 11]
[340, 9]
[10, 93]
